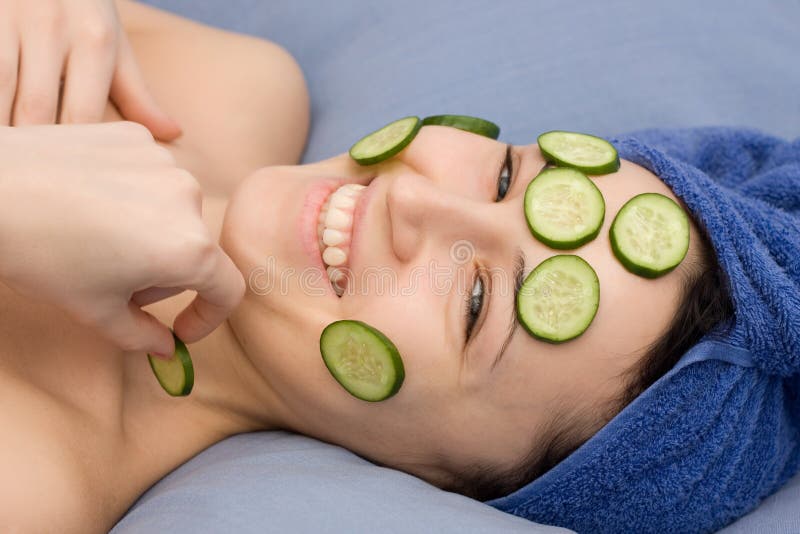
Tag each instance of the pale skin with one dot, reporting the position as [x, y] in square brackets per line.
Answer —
[90, 423]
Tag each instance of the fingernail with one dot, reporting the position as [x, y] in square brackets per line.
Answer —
[161, 355]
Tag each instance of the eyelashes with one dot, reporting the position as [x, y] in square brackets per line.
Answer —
[505, 176]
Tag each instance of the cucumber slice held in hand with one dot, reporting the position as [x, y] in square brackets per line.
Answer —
[382, 144]
[363, 360]
[564, 208]
[559, 298]
[175, 375]
[650, 235]
[465, 122]
[584, 152]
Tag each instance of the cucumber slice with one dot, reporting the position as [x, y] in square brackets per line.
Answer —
[559, 298]
[650, 235]
[465, 122]
[363, 360]
[586, 153]
[564, 208]
[382, 144]
[175, 375]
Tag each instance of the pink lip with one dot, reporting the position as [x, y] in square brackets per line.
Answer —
[309, 216]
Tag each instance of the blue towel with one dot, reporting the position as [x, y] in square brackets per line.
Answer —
[720, 431]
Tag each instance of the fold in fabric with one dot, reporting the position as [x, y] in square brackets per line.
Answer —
[719, 432]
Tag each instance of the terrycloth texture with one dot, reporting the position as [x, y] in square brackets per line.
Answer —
[719, 432]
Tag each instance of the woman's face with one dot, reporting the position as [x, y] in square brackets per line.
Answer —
[427, 224]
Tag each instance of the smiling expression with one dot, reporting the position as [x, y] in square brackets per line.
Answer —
[434, 246]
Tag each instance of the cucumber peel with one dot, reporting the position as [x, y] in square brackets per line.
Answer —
[558, 299]
[564, 208]
[465, 122]
[586, 153]
[362, 359]
[385, 142]
[650, 235]
[175, 375]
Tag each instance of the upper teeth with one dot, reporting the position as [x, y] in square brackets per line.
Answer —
[334, 231]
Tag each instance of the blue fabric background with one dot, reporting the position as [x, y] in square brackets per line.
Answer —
[602, 67]
[605, 67]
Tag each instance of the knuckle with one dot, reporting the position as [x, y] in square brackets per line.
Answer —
[99, 35]
[50, 18]
[200, 253]
[161, 154]
[186, 184]
[134, 130]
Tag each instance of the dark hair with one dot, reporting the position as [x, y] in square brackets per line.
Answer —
[704, 303]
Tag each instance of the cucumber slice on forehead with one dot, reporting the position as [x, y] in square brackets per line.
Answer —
[465, 122]
[564, 208]
[586, 153]
[175, 375]
[382, 144]
[650, 235]
[559, 298]
[363, 360]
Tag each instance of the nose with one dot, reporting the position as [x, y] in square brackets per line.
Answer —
[421, 213]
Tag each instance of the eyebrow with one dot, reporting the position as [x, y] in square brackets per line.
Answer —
[513, 323]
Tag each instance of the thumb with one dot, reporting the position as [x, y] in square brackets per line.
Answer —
[136, 330]
[133, 99]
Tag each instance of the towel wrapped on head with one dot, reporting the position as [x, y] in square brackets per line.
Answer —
[720, 431]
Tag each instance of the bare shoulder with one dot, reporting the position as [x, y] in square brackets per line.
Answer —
[241, 101]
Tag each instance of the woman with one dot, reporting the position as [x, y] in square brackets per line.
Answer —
[92, 425]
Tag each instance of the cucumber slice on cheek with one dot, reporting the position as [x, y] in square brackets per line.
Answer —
[363, 360]
[650, 235]
[559, 298]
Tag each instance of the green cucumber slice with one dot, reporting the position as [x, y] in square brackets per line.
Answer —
[559, 298]
[650, 235]
[382, 144]
[175, 375]
[584, 152]
[564, 208]
[363, 360]
[465, 122]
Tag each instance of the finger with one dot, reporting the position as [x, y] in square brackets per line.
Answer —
[133, 329]
[9, 63]
[88, 80]
[40, 65]
[154, 294]
[133, 99]
[217, 296]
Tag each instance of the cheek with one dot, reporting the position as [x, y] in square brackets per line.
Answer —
[418, 332]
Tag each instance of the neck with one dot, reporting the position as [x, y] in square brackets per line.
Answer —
[229, 396]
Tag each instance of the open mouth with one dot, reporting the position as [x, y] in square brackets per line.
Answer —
[335, 231]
